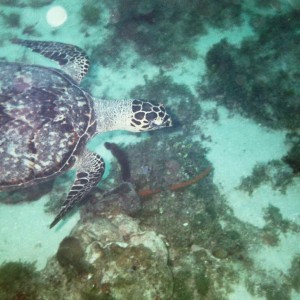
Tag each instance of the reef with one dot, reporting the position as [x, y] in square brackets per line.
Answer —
[175, 244]
[157, 227]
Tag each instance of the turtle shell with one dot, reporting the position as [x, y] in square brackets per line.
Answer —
[46, 120]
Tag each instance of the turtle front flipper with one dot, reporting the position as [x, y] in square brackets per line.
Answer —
[89, 173]
[72, 59]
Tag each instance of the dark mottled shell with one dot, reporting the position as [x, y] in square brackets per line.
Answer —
[46, 120]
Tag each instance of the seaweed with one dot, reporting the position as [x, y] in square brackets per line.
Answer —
[294, 273]
[12, 19]
[90, 13]
[293, 158]
[275, 173]
[13, 3]
[181, 287]
[275, 220]
[39, 3]
[240, 77]
[277, 291]
[163, 32]
[18, 281]
[202, 283]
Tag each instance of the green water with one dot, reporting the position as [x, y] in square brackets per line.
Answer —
[210, 207]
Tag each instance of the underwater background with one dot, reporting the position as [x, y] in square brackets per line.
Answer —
[213, 211]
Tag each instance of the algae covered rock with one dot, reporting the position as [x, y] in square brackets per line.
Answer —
[70, 255]
[130, 263]
[112, 259]
[18, 281]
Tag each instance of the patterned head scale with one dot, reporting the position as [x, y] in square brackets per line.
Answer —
[147, 116]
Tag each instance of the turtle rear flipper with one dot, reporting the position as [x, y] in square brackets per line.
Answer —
[72, 59]
[90, 170]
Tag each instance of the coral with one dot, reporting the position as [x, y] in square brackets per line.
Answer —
[18, 281]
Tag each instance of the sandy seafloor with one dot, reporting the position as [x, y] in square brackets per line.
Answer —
[235, 145]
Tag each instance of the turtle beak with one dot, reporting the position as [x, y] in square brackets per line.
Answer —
[161, 122]
[168, 122]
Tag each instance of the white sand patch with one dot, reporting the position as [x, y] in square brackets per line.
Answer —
[236, 146]
[25, 235]
[251, 208]
[277, 259]
[117, 82]
[234, 35]
[240, 292]
[190, 71]
[295, 295]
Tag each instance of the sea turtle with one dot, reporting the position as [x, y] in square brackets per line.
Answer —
[46, 120]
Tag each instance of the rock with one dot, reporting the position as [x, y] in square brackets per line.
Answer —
[125, 262]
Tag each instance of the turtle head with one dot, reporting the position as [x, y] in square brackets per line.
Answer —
[147, 116]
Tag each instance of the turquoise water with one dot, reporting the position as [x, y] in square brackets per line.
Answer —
[206, 209]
